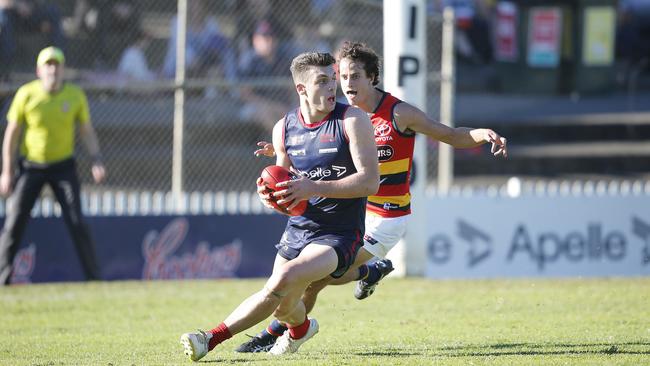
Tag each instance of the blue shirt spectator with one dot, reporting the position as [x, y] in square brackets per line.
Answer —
[206, 46]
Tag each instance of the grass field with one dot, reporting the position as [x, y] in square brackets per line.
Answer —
[406, 322]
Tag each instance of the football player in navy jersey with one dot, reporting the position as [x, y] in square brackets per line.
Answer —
[331, 146]
[395, 124]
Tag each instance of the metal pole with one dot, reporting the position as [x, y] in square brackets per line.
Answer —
[405, 76]
[445, 152]
[179, 103]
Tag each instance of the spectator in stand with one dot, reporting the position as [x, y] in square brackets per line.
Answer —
[247, 14]
[267, 58]
[206, 46]
[307, 37]
[18, 17]
[633, 36]
[133, 64]
[110, 24]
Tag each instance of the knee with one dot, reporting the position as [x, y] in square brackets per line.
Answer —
[315, 287]
[283, 281]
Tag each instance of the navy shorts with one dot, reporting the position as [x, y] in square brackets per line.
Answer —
[346, 247]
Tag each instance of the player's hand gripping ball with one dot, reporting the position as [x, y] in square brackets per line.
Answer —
[274, 174]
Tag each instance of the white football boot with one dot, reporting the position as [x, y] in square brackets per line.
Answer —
[195, 345]
[285, 344]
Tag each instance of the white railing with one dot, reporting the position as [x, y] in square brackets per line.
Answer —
[120, 203]
[516, 187]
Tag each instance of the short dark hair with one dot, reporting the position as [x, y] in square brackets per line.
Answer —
[361, 52]
[303, 61]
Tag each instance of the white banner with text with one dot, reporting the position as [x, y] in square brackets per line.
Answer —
[537, 236]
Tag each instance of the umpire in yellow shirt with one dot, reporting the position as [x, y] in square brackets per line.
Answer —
[45, 112]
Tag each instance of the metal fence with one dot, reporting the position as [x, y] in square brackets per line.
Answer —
[237, 81]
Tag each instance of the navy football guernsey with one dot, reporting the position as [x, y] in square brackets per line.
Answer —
[320, 151]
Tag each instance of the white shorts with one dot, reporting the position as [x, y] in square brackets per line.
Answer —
[383, 233]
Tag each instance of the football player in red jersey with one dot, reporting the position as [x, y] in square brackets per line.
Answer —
[395, 124]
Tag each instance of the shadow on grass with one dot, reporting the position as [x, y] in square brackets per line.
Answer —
[490, 350]
[509, 349]
[234, 360]
[390, 353]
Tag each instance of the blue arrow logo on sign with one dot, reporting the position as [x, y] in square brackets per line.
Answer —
[480, 243]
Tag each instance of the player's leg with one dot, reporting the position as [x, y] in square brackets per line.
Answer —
[316, 261]
[358, 270]
[65, 185]
[18, 209]
[256, 307]
[353, 274]
[288, 280]
[382, 234]
[263, 341]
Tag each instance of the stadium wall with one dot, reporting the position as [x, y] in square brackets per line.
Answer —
[154, 248]
[536, 230]
[529, 236]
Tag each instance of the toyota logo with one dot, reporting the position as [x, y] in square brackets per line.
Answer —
[382, 129]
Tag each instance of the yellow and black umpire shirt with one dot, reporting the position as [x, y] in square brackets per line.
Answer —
[48, 120]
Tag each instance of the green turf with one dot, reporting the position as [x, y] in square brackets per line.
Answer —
[406, 322]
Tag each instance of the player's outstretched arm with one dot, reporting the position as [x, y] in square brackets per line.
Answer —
[411, 118]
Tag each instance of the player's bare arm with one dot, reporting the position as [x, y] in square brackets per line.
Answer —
[9, 149]
[411, 118]
[281, 159]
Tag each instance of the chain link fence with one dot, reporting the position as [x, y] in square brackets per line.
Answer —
[237, 82]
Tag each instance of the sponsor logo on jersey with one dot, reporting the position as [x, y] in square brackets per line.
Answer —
[330, 150]
[312, 134]
[296, 140]
[322, 173]
[340, 170]
[385, 152]
[370, 239]
[383, 138]
[296, 152]
[327, 137]
[390, 206]
[65, 107]
[382, 129]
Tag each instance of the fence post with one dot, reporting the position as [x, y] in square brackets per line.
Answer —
[445, 152]
[179, 103]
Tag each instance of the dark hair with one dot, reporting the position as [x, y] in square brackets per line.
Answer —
[303, 61]
[360, 52]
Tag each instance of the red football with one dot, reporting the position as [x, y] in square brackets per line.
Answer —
[274, 174]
